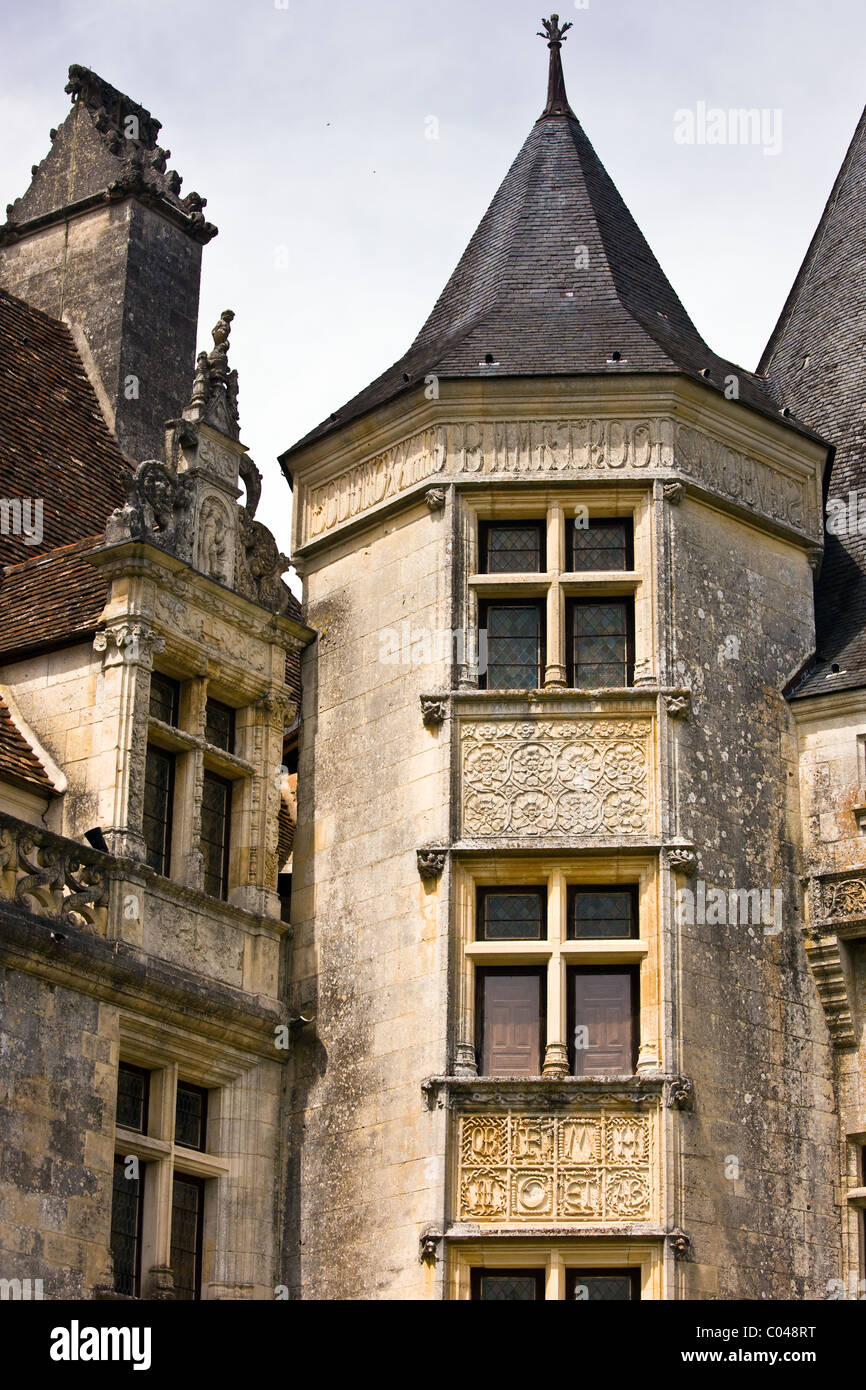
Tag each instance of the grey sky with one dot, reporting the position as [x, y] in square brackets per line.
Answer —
[340, 222]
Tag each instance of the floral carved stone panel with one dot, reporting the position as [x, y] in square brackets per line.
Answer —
[538, 1168]
[555, 777]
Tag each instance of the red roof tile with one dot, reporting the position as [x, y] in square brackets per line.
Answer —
[18, 762]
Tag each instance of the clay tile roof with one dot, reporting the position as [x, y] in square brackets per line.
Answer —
[18, 763]
[518, 298]
[50, 600]
[56, 444]
[816, 362]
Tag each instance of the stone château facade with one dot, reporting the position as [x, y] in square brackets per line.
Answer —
[571, 1001]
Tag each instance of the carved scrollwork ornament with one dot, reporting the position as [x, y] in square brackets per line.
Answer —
[431, 862]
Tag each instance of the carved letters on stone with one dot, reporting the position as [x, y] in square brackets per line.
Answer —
[555, 777]
[778, 495]
[517, 1168]
[540, 447]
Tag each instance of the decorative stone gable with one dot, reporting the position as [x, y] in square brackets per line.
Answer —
[188, 503]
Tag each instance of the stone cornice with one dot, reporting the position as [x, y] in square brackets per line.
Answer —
[141, 560]
[520, 1093]
[122, 975]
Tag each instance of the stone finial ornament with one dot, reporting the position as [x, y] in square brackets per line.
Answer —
[214, 398]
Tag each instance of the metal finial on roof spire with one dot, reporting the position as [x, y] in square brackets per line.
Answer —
[557, 101]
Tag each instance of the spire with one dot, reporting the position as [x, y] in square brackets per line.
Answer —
[557, 101]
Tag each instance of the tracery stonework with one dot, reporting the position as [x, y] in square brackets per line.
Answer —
[518, 1168]
[555, 777]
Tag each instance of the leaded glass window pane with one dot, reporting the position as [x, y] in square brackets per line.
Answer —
[219, 728]
[215, 815]
[158, 796]
[601, 644]
[126, 1229]
[164, 698]
[133, 1086]
[513, 646]
[512, 548]
[516, 914]
[508, 1285]
[601, 912]
[187, 1208]
[190, 1116]
[602, 1286]
[601, 545]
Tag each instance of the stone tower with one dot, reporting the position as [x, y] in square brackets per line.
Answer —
[103, 240]
[816, 364]
[545, 896]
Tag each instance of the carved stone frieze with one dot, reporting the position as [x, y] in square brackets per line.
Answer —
[748, 481]
[577, 1168]
[524, 447]
[555, 777]
[838, 896]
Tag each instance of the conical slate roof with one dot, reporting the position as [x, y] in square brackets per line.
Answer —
[816, 363]
[557, 280]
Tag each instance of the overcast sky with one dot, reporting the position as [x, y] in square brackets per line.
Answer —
[305, 126]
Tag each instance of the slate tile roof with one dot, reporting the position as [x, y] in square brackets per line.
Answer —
[816, 363]
[518, 296]
[18, 763]
[54, 442]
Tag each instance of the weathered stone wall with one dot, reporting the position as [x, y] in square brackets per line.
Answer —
[370, 950]
[760, 1149]
[130, 280]
[57, 1095]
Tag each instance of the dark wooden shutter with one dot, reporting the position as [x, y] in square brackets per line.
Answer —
[604, 1002]
[511, 1011]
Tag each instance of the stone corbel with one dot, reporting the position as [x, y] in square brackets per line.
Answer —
[435, 498]
[674, 492]
[824, 954]
[681, 1094]
[679, 706]
[434, 710]
[431, 862]
[429, 1243]
[133, 643]
[680, 1244]
[682, 859]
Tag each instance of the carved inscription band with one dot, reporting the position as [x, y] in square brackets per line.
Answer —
[538, 1168]
[547, 448]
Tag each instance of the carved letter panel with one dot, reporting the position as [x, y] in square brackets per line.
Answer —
[546, 1169]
